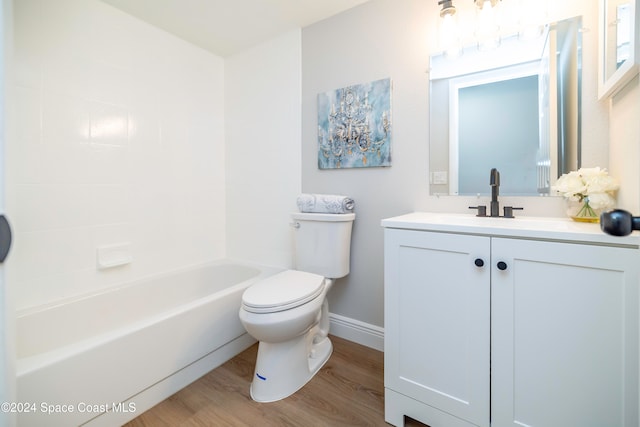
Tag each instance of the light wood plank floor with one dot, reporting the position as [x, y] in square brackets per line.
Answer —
[348, 391]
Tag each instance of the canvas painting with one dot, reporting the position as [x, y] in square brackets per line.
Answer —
[354, 126]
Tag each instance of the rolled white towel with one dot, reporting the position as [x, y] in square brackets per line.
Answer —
[325, 203]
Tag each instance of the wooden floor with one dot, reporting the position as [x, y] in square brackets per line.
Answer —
[348, 391]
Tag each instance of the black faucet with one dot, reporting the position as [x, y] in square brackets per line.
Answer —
[494, 182]
[494, 209]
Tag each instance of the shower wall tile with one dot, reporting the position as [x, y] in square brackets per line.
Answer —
[51, 206]
[48, 164]
[27, 115]
[54, 252]
[107, 164]
[66, 73]
[110, 83]
[110, 204]
[65, 119]
[145, 128]
[27, 70]
[109, 124]
[109, 234]
[116, 136]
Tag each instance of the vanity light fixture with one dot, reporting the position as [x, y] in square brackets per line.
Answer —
[449, 30]
[487, 28]
[447, 8]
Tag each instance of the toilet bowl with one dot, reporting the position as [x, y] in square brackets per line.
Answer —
[293, 343]
[288, 312]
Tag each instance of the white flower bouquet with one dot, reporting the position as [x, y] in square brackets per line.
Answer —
[592, 187]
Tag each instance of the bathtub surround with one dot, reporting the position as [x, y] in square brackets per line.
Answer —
[201, 148]
[118, 136]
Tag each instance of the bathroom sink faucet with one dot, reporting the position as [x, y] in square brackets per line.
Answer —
[494, 207]
[494, 182]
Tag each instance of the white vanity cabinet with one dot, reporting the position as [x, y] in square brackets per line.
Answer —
[510, 322]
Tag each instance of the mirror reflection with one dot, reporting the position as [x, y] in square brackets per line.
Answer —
[617, 35]
[516, 108]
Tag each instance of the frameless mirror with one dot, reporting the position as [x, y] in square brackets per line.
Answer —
[516, 108]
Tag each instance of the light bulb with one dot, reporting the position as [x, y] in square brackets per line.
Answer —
[532, 19]
[450, 36]
[487, 32]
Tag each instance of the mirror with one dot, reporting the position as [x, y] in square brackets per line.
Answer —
[516, 108]
[618, 45]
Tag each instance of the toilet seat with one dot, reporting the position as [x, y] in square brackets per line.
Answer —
[282, 291]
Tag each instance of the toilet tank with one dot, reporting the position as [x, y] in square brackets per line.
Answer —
[322, 243]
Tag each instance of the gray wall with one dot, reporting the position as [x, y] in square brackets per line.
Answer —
[393, 38]
[377, 40]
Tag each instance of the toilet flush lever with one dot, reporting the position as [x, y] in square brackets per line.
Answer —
[295, 224]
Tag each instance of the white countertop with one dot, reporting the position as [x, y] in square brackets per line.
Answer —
[539, 228]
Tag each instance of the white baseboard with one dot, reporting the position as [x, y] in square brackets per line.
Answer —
[359, 332]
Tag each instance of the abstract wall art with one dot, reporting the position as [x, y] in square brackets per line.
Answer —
[354, 126]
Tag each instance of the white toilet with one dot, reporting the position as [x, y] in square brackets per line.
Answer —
[288, 312]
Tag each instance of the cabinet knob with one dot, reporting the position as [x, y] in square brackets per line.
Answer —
[502, 265]
[479, 262]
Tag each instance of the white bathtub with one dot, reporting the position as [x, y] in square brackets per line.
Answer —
[103, 359]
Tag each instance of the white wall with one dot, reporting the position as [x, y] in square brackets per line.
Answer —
[391, 38]
[262, 115]
[118, 136]
[625, 144]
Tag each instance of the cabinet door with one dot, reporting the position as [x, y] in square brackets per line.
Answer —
[437, 322]
[564, 335]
